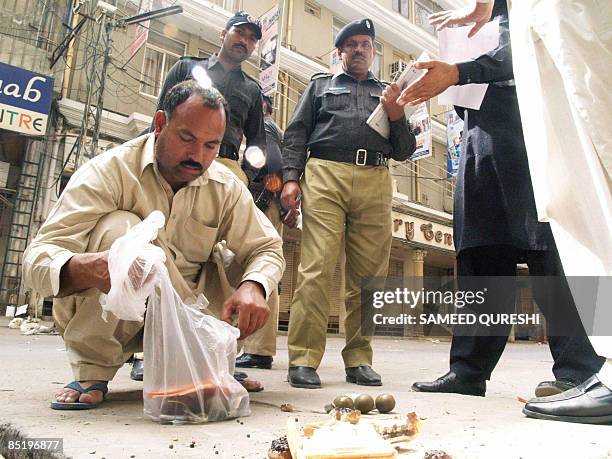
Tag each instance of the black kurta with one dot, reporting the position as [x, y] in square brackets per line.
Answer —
[494, 201]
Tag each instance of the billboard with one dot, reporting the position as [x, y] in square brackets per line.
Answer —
[454, 133]
[269, 50]
[420, 124]
[25, 100]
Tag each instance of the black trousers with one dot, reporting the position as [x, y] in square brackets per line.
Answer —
[474, 356]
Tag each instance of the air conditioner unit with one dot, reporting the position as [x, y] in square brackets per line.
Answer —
[397, 67]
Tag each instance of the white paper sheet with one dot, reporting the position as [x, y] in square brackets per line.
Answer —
[378, 120]
[455, 46]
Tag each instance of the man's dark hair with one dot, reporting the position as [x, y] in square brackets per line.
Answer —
[268, 104]
[179, 93]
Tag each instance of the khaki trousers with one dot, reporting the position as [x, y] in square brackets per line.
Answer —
[337, 199]
[263, 341]
[97, 348]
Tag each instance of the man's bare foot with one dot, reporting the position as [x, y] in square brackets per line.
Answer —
[66, 395]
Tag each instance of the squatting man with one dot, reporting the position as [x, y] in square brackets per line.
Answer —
[171, 170]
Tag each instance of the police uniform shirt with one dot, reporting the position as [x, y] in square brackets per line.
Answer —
[332, 115]
[242, 93]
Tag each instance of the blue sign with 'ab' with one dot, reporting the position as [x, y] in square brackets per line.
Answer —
[25, 100]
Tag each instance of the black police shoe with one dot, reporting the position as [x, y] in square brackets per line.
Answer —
[304, 378]
[451, 384]
[588, 403]
[263, 362]
[137, 373]
[548, 388]
[363, 375]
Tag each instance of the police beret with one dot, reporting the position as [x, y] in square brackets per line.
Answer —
[359, 27]
[242, 17]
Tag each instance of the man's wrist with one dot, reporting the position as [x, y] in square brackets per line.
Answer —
[291, 175]
[254, 285]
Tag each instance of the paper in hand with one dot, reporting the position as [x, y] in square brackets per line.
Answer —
[378, 120]
[455, 46]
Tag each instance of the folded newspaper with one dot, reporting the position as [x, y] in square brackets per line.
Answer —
[378, 120]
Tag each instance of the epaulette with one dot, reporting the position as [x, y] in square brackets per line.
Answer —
[318, 75]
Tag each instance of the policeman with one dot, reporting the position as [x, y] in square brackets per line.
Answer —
[242, 92]
[260, 347]
[346, 190]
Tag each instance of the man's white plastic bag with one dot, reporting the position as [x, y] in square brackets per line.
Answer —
[189, 362]
[131, 264]
[189, 355]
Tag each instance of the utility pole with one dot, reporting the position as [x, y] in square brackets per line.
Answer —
[98, 57]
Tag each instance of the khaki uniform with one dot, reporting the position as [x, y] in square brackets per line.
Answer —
[338, 199]
[346, 190]
[263, 341]
[213, 207]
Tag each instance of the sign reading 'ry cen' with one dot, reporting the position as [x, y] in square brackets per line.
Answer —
[25, 100]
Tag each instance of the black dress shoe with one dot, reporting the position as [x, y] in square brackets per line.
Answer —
[588, 403]
[137, 373]
[548, 388]
[263, 362]
[304, 378]
[450, 384]
[363, 375]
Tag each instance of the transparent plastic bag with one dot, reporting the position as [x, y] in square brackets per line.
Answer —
[189, 362]
[132, 262]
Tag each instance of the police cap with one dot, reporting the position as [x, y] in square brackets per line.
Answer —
[358, 27]
[242, 17]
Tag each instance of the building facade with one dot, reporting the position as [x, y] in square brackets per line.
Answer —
[422, 202]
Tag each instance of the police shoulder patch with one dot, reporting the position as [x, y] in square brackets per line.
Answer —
[318, 75]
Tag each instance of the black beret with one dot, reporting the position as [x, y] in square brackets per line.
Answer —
[242, 17]
[358, 27]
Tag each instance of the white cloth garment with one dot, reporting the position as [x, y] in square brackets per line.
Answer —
[562, 56]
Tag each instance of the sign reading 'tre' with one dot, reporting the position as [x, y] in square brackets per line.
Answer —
[25, 100]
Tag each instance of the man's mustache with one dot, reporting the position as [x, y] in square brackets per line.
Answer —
[240, 46]
[191, 163]
[355, 55]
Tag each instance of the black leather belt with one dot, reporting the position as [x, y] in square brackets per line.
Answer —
[360, 157]
[228, 151]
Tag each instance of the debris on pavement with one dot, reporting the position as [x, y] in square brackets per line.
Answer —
[288, 408]
[436, 454]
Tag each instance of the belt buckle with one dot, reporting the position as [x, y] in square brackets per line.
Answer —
[358, 161]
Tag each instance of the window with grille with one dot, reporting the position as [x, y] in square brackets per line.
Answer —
[422, 10]
[161, 53]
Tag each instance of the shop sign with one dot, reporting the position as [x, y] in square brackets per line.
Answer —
[416, 229]
[25, 100]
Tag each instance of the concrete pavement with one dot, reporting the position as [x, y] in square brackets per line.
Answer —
[34, 367]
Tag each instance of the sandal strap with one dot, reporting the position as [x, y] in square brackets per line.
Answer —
[76, 385]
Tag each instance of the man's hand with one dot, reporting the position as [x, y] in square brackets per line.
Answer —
[480, 14]
[249, 302]
[290, 201]
[439, 77]
[84, 271]
[389, 101]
